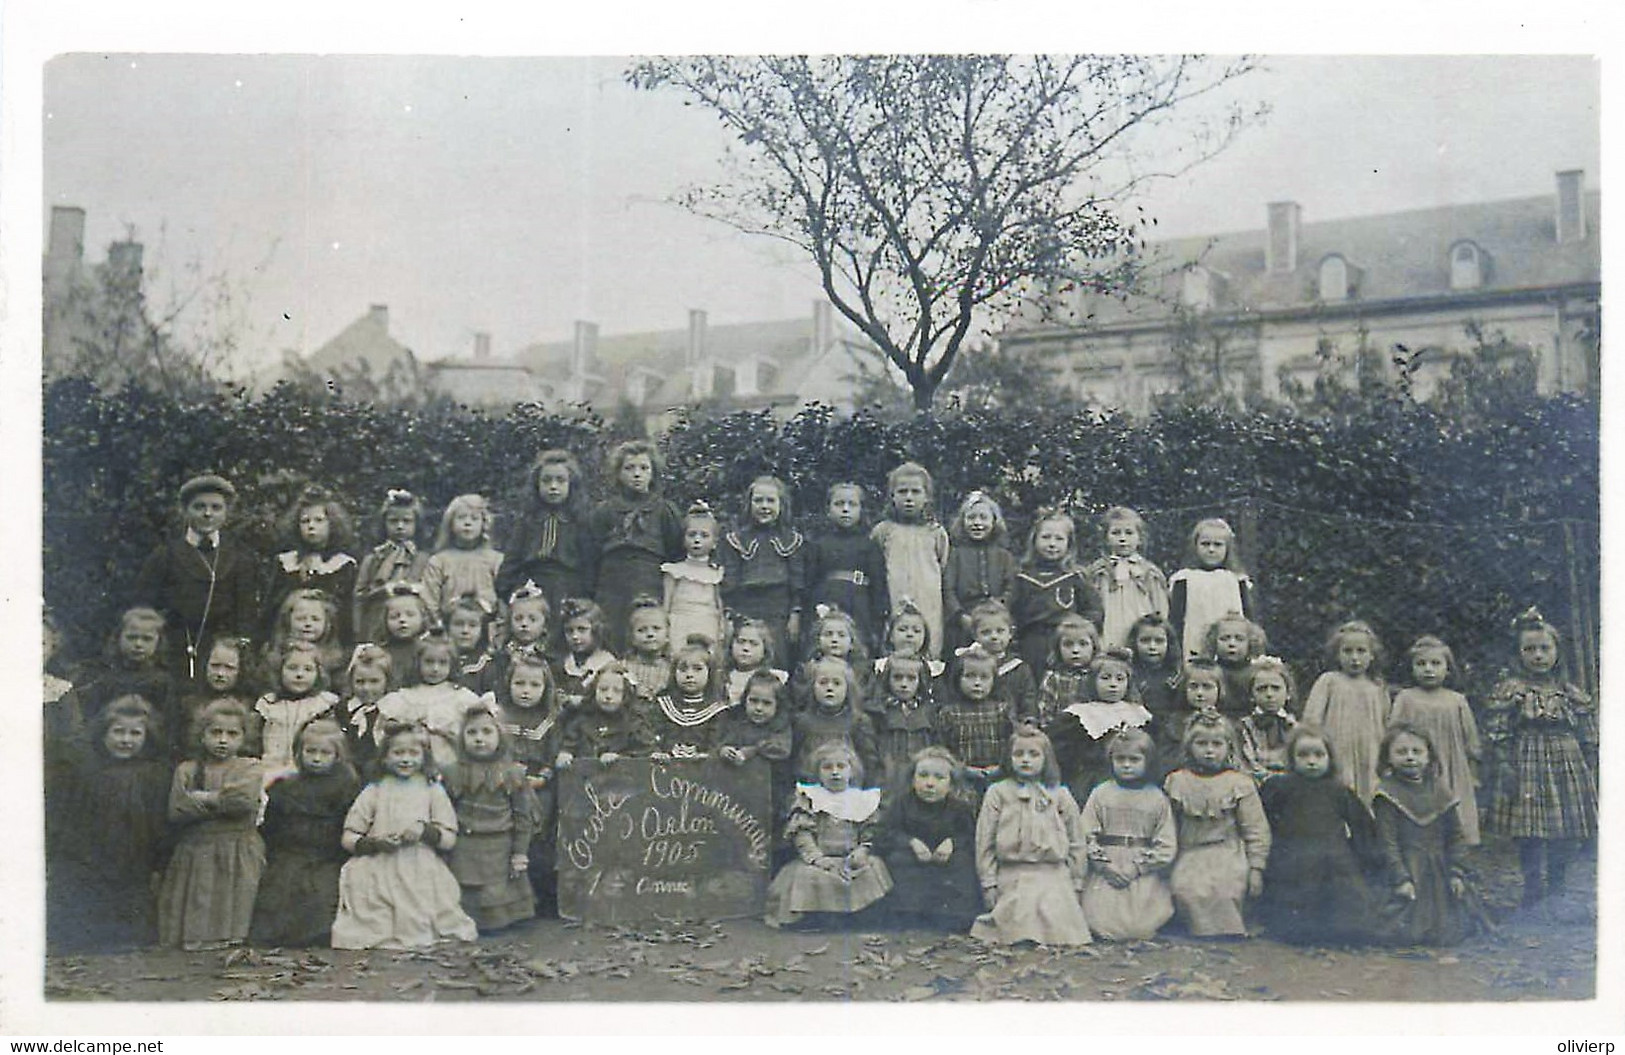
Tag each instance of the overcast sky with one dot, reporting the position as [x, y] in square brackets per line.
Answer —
[514, 196]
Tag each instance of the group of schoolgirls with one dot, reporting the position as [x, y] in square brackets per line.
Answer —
[983, 691]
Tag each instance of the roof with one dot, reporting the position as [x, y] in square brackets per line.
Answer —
[665, 351]
[364, 341]
[1399, 255]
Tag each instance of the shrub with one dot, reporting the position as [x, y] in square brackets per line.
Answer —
[1413, 520]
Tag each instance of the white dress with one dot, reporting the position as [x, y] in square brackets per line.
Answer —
[439, 707]
[1210, 593]
[406, 899]
[693, 601]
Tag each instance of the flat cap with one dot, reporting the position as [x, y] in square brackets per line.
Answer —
[208, 483]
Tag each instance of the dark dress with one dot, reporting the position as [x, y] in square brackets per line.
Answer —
[105, 837]
[100, 682]
[634, 538]
[901, 728]
[533, 737]
[815, 727]
[1314, 892]
[552, 547]
[1420, 839]
[974, 572]
[764, 577]
[334, 573]
[943, 895]
[496, 816]
[299, 890]
[1039, 597]
[846, 569]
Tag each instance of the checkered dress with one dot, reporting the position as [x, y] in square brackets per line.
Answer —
[977, 733]
[1542, 734]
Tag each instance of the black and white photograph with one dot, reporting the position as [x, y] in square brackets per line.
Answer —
[880, 530]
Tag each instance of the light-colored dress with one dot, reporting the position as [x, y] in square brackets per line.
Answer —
[208, 890]
[1030, 848]
[1353, 712]
[1447, 719]
[826, 823]
[451, 573]
[1209, 594]
[915, 557]
[693, 596]
[1222, 834]
[283, 719]
[408, 898]
[1132, 829]
[439, 707]
[1129, 588]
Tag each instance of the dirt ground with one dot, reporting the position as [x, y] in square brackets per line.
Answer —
[1548, 953]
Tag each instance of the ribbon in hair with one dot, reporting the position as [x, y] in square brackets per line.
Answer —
[1268, 663]
[399, 496]
[699, 507]
[905, 606]
[1117, 652]
[1528, 617]
[401, 588]
[529, 591]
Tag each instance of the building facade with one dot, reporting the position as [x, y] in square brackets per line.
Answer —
[1261, 310]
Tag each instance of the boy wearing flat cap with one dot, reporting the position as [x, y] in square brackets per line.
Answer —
[204, 582]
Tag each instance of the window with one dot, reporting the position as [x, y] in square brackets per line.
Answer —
[1466, 266]
[1334, 278]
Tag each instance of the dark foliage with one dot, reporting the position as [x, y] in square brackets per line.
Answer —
[1397, 513]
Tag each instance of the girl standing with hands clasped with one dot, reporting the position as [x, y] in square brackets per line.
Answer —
[396, 559]
[1129, 585]
[1447, 719]
[1030, 853]
[1321, 838]
[304, 819]
[692, 587]
[1048, 586]
[979, 567]
[928, 841]
[1128, 827]
[916, 547]
[463, 561]
[832, 828]
[1224, 838]
[635, 529]
[1420, 839]
[550, 544]
[395, 892]
[1209, 586]
[1543, 737]
[1351, 705]
[207, 897]
[496, 815]
[763, 566]
[845, 568]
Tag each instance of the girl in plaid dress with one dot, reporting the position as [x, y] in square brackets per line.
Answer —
[1543, 738]
[974, 722]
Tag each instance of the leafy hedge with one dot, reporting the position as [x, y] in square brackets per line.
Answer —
[1396, 514]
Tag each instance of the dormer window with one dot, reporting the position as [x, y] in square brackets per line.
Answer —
[1466, 266]
[1201, 288]
[1334, 278]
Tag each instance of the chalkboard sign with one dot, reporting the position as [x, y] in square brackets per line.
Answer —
[687, 839]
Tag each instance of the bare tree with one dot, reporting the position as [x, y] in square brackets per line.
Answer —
[933, 192]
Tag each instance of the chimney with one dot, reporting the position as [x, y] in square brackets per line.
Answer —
[1571, 209]
[65, 248]
[124, 259]
[696, 337]
[378, 315]
[823, 326]
[583, 348]
[1281, 246]
[482, 346]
